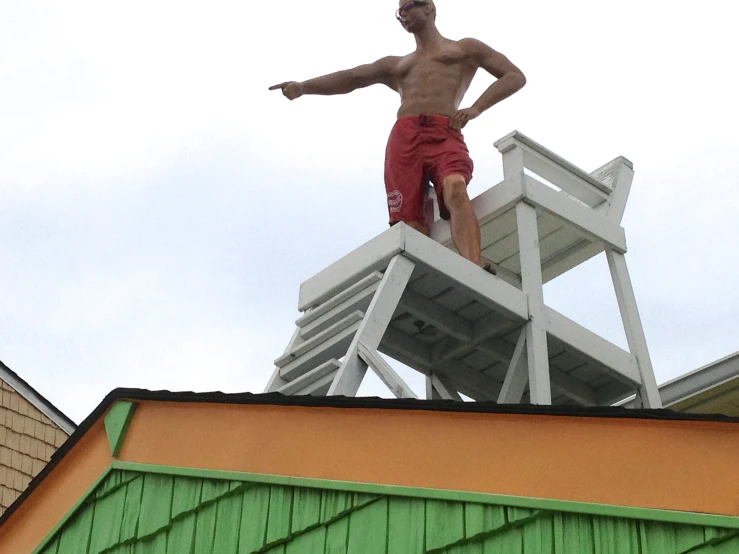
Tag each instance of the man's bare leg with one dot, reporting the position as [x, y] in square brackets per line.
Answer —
[464, 224]
[418, 226]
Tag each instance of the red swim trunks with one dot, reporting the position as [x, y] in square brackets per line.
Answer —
[422, 149]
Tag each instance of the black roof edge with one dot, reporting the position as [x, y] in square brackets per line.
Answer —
[278, 399]
[67, 424]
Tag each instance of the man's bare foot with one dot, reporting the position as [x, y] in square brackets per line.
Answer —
[489, 267]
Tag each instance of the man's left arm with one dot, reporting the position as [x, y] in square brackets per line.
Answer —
[510, 79]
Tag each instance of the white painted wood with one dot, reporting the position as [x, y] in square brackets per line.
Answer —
[485, 288]
[618, 174]
[537, 361]
[586, 220]
[487, 206]
[333, 347]
[431, 392]
[415, 353]
[516, 138]
[276, 381]
[561, 381]
[614, 360]
[481, 386]
[633, 327]
[570, 184]
[444, 388]
[373, 326]
[517, 375]
[387, 374]
[569, 386]
[565, 260]
[340, 298]
[489, 326]
[299, 350]
[368, 258]
[441, 318]
[359, 302]
[304, 381]
[318, 388]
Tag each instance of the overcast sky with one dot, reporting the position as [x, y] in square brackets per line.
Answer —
[159, 207]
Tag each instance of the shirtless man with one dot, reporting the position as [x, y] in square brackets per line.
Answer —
[426, 143]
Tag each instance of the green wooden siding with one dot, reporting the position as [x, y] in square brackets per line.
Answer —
[147, 513]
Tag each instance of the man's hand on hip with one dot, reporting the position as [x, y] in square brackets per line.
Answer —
[291, 89]
[460, 119]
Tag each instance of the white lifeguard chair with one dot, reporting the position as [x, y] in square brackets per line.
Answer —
[488, 337]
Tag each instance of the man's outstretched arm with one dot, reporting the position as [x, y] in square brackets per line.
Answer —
[343, 82]
[510, 79]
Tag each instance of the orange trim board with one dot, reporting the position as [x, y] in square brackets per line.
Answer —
[57, 493]
[663, 464]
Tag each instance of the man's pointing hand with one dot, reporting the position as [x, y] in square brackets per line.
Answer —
[291, 89]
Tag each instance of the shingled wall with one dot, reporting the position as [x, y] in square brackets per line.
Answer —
[27, 440]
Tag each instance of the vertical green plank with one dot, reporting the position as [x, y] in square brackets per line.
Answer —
[482, 518]
[306, 508]
[712, 533]
[122, 549]
[313, 541]
[106, 529]
[181, 535]
[444, 523]
[368, 529]
[214, 488]
[205, 529]
[658, 537]
[156, 544]
[156, 504]
[114, 479]
[361, 499]
[228, 519]
[509, 541]
[730, 546]
[573, 534]
[619, 535]
[538, 535]
[253, 528]
[686, 536]
[75, 536]
[517, 514]
[406, 525]
[132, 508]
[186, 495]
[337, 536]
[280, 510]
[334, 503]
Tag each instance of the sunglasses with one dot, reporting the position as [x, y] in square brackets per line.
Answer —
[405, 8]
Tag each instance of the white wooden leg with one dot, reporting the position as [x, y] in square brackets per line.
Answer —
[387, 374]
[634, 331]
[431, 392]
[531, 283]
[372, 328]
[441, 388]
[517, 376]
[277, 382]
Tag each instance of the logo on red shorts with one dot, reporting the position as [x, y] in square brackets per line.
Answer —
[394, 200]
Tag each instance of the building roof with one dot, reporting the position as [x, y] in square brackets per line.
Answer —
[36, 399]
[593, 455]
[713, 388]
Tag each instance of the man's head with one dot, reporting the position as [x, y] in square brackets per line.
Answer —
[416, 14]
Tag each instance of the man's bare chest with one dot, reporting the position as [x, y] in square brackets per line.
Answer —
[450, 60]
